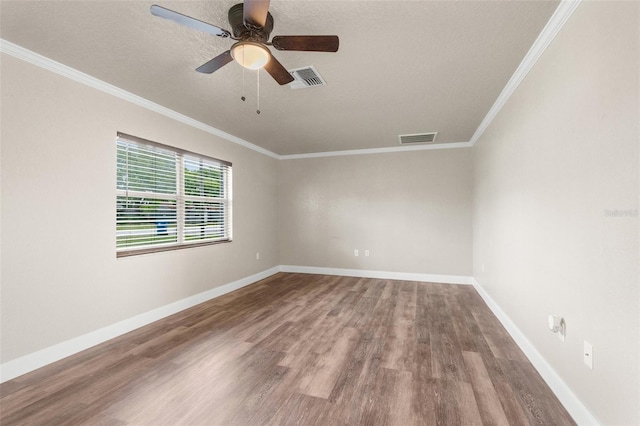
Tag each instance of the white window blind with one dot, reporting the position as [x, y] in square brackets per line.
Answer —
[168, 198]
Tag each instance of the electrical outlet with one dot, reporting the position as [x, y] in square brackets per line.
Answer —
[483, 267]
[366, 253]
[355, 252]
[588, 354]
[558, 325]
[257, 255]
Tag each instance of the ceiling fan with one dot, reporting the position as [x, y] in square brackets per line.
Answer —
[252, 24]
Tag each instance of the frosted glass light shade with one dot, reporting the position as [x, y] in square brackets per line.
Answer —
[250, 55]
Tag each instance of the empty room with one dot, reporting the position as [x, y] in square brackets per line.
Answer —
[319, 212]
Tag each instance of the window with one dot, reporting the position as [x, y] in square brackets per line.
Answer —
[168, 198]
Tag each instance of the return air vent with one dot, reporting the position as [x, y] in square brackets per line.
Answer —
[306, 77]
[417, 138]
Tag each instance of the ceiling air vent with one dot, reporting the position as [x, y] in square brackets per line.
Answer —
[306, 77]
[418, 138]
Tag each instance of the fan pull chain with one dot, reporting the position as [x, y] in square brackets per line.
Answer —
[242, 97]
[258, 97]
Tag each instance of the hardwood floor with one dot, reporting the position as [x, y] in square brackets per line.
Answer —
[304, 350]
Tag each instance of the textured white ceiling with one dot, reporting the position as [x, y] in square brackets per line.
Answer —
[403, 66]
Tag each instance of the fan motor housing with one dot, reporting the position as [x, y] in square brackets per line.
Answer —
[247, 31]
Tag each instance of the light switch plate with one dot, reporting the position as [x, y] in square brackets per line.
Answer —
[588, 354]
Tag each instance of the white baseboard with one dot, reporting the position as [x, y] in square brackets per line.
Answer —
[573, 405]
[384, 275]
[35, 360]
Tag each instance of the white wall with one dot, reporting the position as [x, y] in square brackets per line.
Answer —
[562, 154]
[411, 210]
[60, 276]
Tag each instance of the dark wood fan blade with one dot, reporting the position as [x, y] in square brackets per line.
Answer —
[188, 21]
[255, 11]
[216, 63]
[278, 71]
[328, 43]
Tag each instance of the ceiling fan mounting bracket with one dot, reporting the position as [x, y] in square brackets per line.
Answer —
[243, 30]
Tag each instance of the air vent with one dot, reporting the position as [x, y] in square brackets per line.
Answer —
[306, 77]
[418, 138]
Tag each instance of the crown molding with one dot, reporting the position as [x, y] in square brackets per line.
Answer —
[26, 55]
[562, 13]
[377, 150]
[41, 61]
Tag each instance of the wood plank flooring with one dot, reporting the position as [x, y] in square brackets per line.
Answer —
[300, 349]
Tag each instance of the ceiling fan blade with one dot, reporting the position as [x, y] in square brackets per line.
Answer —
[278, 71]
[255, 11]
[327, 43]
[216, 63]
[188, 21]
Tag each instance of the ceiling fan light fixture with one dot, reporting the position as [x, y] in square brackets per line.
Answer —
[250, 54]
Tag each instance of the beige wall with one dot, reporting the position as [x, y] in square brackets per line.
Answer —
[563, 154]
[530, 211]
[60, 276]
[411, 210]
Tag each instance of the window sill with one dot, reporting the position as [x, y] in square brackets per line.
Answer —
[157, 249]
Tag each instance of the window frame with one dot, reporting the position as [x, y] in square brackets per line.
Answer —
[180, 197]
